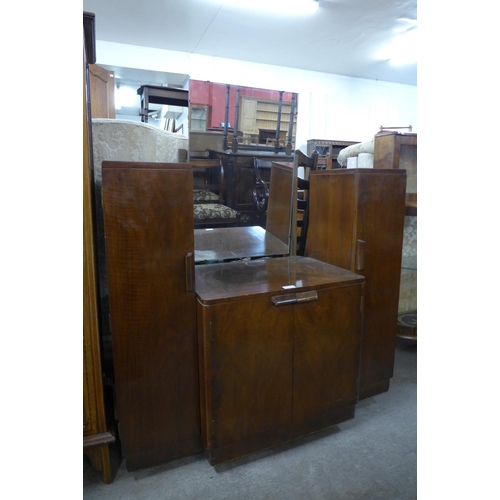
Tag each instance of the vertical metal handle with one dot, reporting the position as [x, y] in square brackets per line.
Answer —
[360, 255]
[189, 269]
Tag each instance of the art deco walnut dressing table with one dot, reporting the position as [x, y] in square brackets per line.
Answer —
[278, 338]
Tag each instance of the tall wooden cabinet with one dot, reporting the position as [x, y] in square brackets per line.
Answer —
[148, 222]
[356, 223]
[279, 344]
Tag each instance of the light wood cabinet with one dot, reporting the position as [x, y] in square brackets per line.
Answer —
[356, 222]
[260, 117]
[102, 92]
[148, 223]
[279, 344]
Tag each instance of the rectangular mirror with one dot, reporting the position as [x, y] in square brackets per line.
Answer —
[248, 129]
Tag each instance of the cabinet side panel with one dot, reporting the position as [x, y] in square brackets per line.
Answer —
[204, 327]
[149, 231]
[327, 343]
[380, 224]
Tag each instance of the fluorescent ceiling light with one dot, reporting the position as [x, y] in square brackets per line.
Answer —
[402, 50]
[125, 97]
[281, 6]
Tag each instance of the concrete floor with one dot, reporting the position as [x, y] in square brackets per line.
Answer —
[371, 457]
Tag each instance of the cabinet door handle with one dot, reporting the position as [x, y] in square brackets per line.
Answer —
[294, 298]
[360, 255]
[189, 269]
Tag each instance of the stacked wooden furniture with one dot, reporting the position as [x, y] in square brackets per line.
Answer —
[148, 221]
[98, 430]
[328, 151]
[356, 223]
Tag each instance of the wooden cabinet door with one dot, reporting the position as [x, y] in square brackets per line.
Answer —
[148, 221]
[250, 370]
[356, 222]
[327, 342]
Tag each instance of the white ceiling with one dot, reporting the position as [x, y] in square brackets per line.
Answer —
[343, 37]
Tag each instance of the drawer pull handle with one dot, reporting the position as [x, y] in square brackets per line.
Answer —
[360, 255]
[189, 270]
[294, 298]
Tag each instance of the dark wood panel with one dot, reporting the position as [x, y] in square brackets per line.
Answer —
[250, 369]
[148, 222]
[280, 207]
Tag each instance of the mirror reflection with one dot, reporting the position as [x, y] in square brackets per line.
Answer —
[246, 130]
[247, 118]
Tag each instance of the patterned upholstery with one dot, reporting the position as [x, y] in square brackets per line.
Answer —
[126, 140]
[211, 211]
[205, 196]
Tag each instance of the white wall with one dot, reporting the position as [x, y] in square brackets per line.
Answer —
[330, 106]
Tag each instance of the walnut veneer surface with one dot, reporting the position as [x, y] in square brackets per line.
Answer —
[279, 344]
[356, 222]
[148, 220]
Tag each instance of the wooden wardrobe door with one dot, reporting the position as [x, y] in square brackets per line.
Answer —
[148, 222]
[356, 222]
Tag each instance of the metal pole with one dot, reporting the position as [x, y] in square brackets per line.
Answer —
[236, 118]
[278, 124]
[290, 125]
[226, 116]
